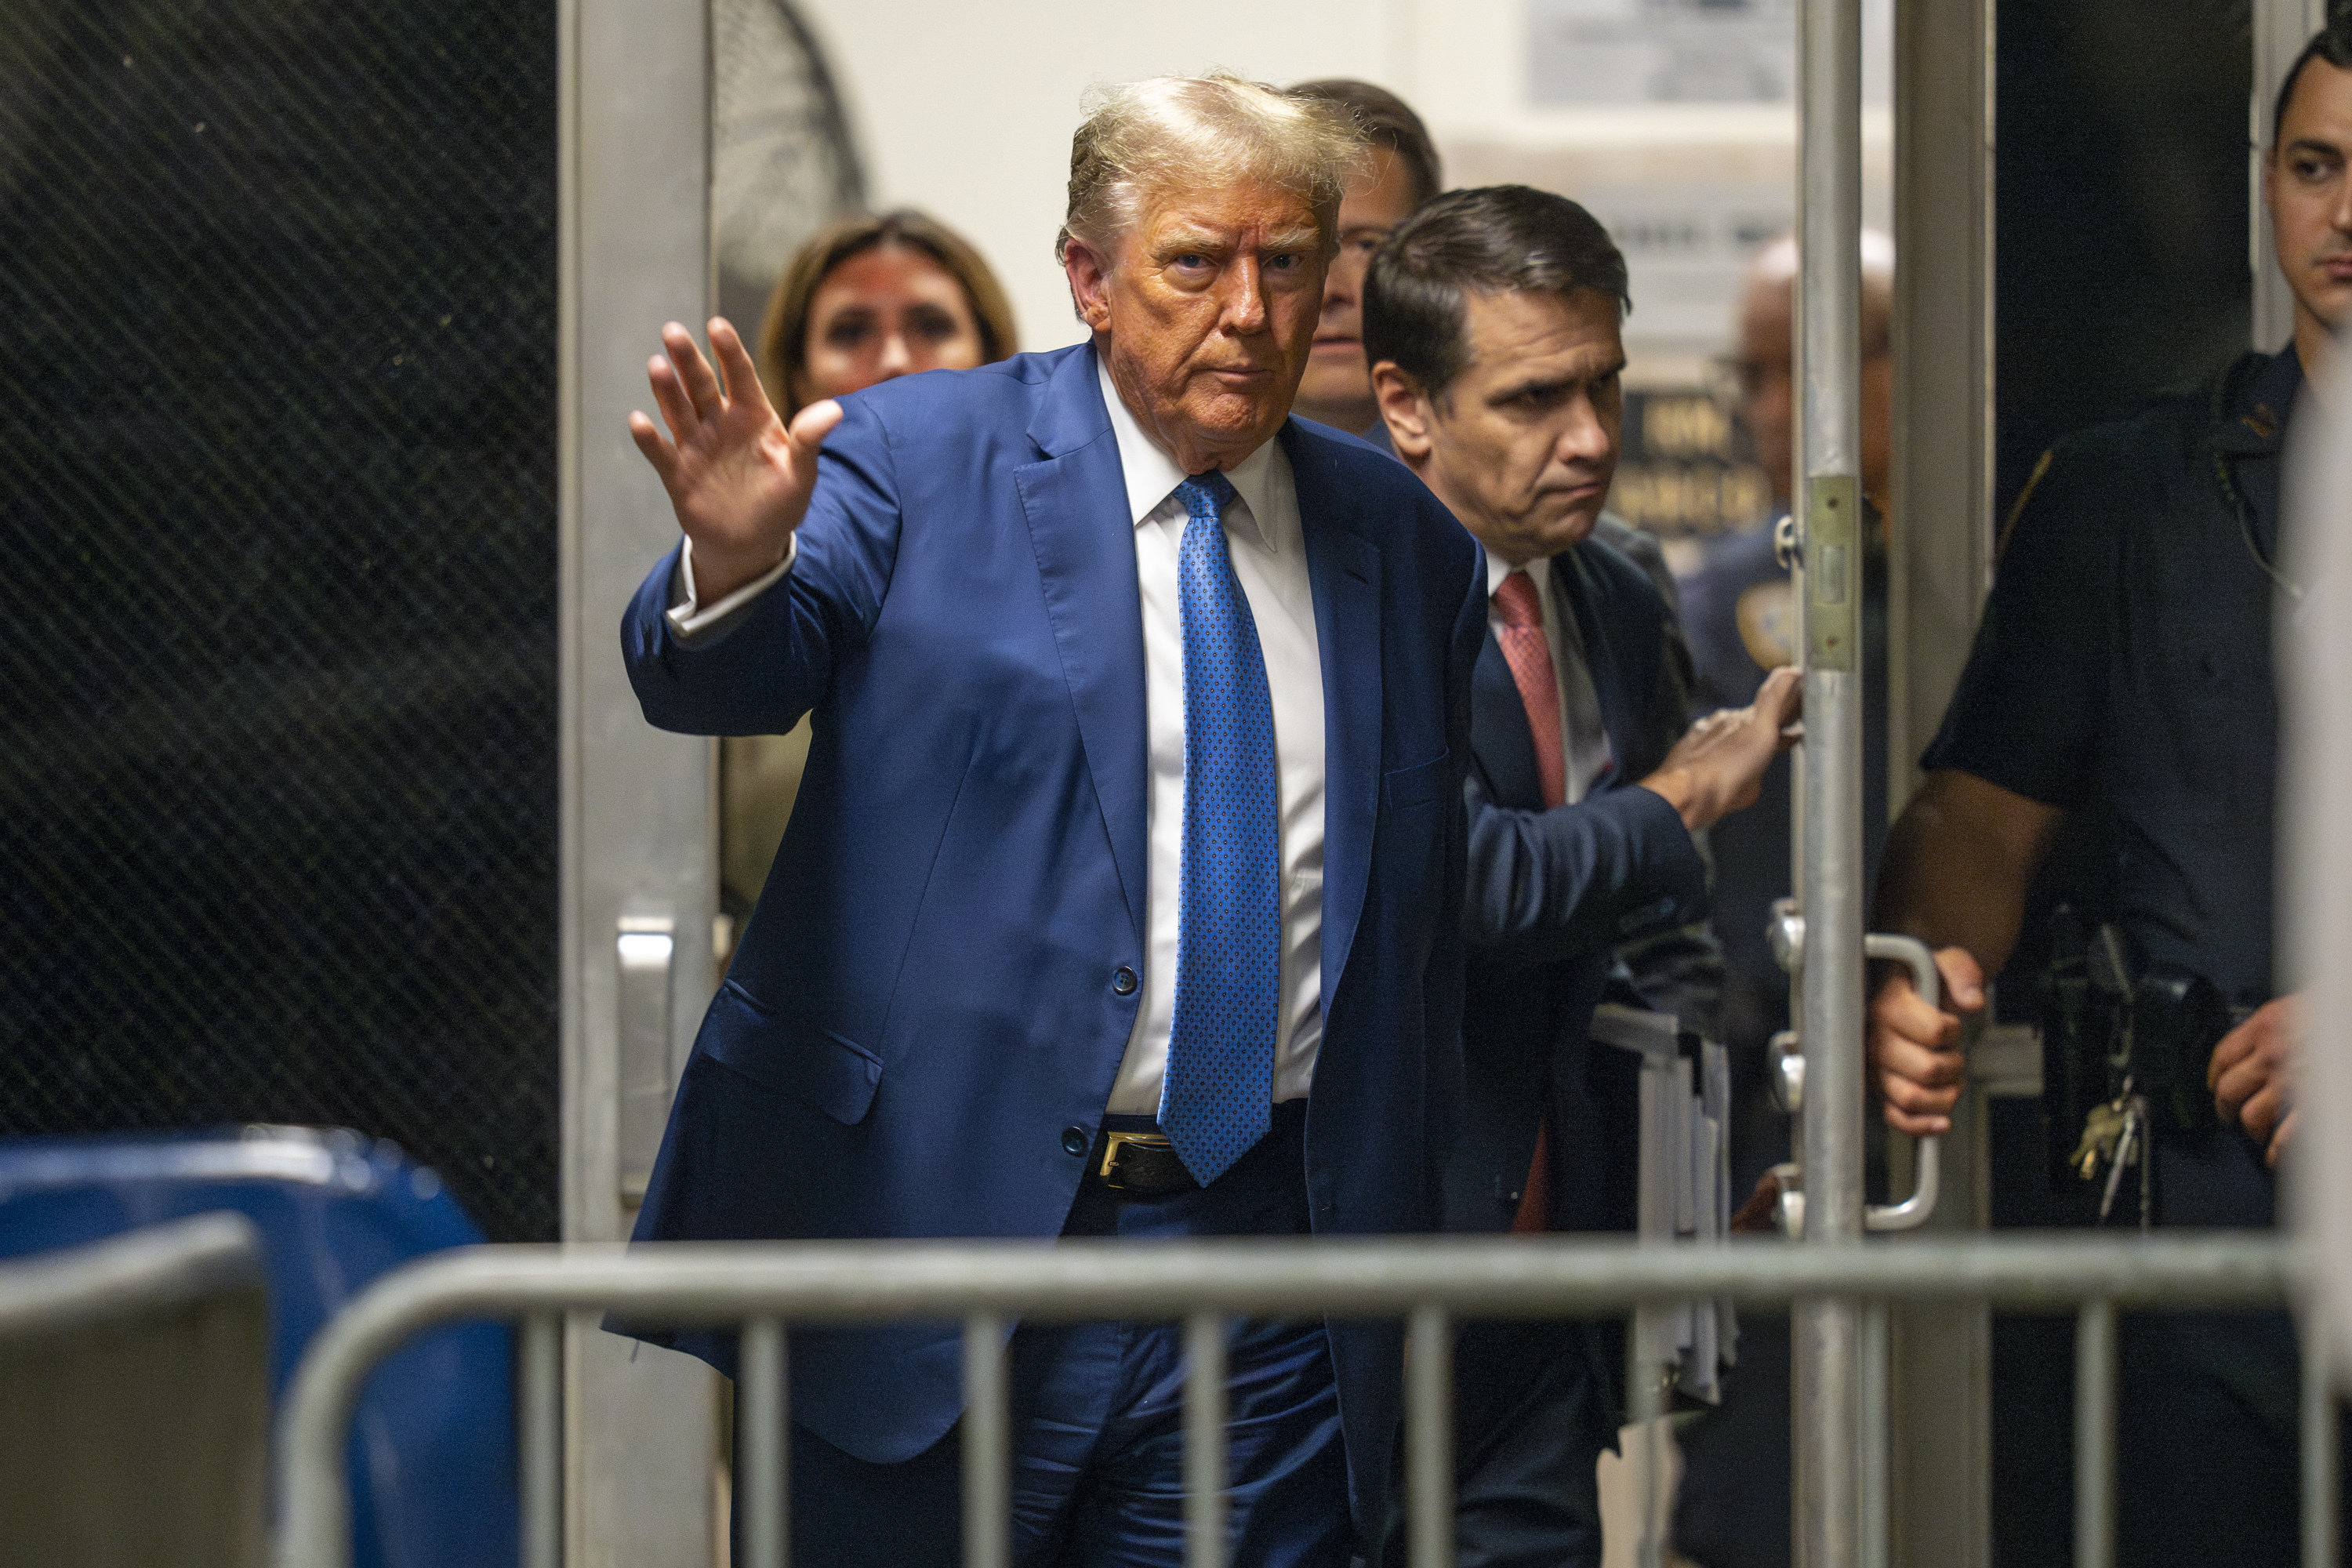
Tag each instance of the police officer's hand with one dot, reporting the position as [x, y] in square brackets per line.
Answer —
[2252, 1075]
[1717, 767]
[739, 480]
[1914, 1049]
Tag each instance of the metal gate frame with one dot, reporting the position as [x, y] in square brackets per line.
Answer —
[639, 826]
[1433, 1283]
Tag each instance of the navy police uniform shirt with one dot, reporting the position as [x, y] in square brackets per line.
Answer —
[2122, 671]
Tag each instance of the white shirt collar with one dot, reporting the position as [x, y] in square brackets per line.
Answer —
[1539, 571]
[1151, 474]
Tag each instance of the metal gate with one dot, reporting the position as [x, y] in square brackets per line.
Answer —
[1431, 1283]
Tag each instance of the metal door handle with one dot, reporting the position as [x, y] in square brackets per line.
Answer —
[645, 947]
[1912, 1211]
[1787, 937]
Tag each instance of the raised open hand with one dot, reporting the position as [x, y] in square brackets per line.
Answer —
[739, 480]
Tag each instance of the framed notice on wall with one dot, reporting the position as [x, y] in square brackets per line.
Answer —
[1662, 51]
[1593, 52]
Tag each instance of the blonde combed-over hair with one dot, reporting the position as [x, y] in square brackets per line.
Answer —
[1147, 138]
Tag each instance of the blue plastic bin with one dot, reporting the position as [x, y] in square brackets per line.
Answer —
[433, 1450]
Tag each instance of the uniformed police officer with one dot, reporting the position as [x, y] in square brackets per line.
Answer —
[2121, 677]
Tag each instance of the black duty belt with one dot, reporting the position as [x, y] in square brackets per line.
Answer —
[1142, 1165]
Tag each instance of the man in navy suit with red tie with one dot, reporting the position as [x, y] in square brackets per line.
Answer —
[1121, 896]
[1491, 319]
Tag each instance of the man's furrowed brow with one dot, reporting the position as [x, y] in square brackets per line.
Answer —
[1288, 239]
[1534, 387]
[1543, 385]
[1187, 238]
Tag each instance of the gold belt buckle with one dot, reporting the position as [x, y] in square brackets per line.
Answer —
[1114, 1142]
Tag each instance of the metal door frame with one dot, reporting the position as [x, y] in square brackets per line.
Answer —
[639, 861]
[1939, 569]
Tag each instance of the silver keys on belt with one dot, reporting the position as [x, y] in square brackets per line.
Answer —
[2116, 1137]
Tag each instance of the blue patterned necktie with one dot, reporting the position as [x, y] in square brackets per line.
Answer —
[1218, 1094]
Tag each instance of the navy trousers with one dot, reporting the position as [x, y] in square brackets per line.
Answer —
[1529, 1420]
[1098, 1421]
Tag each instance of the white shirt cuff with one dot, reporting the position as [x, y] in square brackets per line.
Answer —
[689, 620]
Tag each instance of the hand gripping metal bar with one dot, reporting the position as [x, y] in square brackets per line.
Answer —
[1787, 939]
[1926, 1168]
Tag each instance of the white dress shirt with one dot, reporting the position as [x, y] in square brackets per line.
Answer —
[1584, 739]
[1269, 551]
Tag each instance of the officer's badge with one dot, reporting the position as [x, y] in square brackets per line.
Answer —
[1768, 624]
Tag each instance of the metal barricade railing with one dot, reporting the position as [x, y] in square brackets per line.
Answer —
[136, 1273]
[134, 1398]
[1431, 1283]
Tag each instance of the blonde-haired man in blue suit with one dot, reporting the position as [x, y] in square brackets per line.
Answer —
[1122, 894]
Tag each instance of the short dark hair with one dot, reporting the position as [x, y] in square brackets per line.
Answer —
[1503, 240]
[2333, 44]
[1384, 120]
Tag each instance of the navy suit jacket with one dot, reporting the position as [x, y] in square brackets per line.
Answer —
[928, 996]
[1551, 893]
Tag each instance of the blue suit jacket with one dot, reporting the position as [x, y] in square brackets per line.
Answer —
[1551, 893]
[925, 999]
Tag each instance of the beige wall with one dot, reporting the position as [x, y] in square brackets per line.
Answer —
[966, 109]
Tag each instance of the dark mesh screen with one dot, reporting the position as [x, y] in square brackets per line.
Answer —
[278, 688]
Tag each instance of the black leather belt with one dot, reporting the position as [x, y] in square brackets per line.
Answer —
[1142, 1165]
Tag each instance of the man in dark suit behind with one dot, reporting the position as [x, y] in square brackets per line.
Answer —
[1491, 319]
[1119, 898]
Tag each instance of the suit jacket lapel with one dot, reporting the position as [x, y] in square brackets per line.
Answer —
[1601, 660]
[1505, 746]
[1343, 567]
[1498, 719]
[1075, 500]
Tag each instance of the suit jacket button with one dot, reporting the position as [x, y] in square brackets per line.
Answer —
[1123, 981]
[1075, 1139]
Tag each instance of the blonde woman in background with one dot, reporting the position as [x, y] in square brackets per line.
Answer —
[876, 297]
[870, 298]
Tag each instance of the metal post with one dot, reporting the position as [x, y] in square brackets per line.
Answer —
[1939, 564]
[1876, 1429]
[1826, 1332]
[987, 1445]
[1204, 1440]
[2322, 1453]
[1429, 1439]
[1646, 1409]
[634, 251]
[1650, 1548]
[2094, 1435]
[759, 1456]
[543, 1440]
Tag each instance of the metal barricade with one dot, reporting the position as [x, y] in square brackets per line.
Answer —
[1431, 1283]
[134, 1400]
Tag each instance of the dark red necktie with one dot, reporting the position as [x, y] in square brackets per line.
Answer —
[1528, 653]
